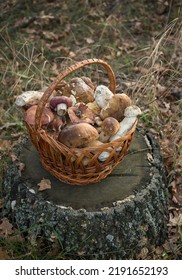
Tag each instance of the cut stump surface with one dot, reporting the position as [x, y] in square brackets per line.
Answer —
[114, 218]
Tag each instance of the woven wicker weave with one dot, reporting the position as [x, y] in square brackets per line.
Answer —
[66, 163]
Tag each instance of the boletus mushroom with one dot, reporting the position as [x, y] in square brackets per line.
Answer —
[116, 106]
[81, 88]
[102, 95]
[109, 127]
[77, 135]
[47, 116]
[61, 103]
[126, 124]
[81, 113]
[30, 98]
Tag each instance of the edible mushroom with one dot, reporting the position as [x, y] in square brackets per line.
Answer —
[109, 127]
[47, 116]
[81, 113]
[102, 95]
[28, 98]
[126, 124]
[81, 88]
[61, 103]
[116, 106]
[77, 135]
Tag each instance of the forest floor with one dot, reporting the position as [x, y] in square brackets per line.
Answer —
[141, 40]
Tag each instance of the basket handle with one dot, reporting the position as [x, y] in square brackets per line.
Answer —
[61, 76]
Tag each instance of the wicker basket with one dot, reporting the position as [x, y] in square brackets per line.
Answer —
[58, 158]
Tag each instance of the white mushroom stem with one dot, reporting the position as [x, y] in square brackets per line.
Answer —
[102, 95]
[98, 121]
[28, 97]
[61, 109]
[48, 117]
[103, 156]
[73, 100]
[126, 124]
[85, 160]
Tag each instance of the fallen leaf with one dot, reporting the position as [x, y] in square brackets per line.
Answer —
[7, 125]
[44, 184]
[81, 252]
[174, 199]
[21, 166]
[1, 203]
[89, 40]
[3, 254]
[178, 195]
[160, 89]
[6, 227]
[13, 157]
[5, 145]
[72, 54]
[159, 251]
[149, 157]
[50, 35]
[143, 253]
[175, 220]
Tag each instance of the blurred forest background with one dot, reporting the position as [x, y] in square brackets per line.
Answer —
[141, 40]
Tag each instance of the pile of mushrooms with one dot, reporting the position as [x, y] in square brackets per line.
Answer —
[80, 114]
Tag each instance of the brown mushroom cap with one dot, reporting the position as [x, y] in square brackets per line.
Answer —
[81, 113]
[47, 116]
[132, 111]
[55, 100]
[94, 143]
[88, 81]
[78, 135]
[110, 126]
[116, 106]
[81, 90]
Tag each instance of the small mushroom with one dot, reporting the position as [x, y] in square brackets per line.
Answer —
[47, 116]
[28, 98]
[58, 124]
[94, 107]
[58, 100]
[102, 95]
[77, 135]
[109, 127]
[115, 107]
[98, 121]
[61, 103]
[81, 113]
[126, 124]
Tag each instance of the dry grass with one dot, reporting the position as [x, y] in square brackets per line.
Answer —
[147, 64]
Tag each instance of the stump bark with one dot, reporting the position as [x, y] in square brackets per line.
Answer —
[111, 219]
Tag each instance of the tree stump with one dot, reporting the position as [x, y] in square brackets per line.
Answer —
[113, 219]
